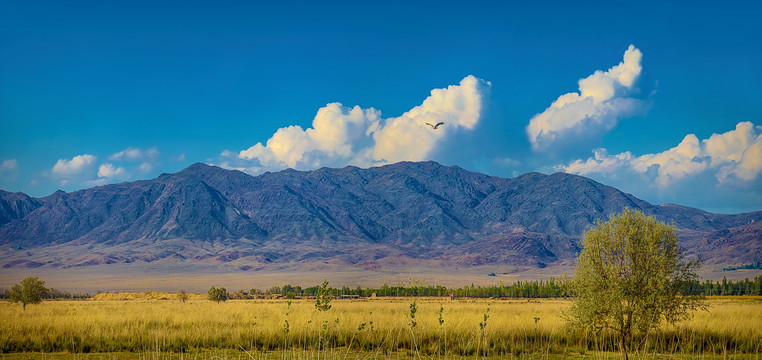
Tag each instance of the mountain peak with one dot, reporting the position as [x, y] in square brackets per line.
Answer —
[201, 170]
[198, 167]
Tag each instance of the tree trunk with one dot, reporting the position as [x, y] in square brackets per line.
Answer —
[622, 348]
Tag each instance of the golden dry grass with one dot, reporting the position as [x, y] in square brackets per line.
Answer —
[513, 327]
[123, 296]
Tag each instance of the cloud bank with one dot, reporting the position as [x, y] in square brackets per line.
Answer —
[148, 158]
[343, 135]
[603, 98]
[86, 170]
[732, 157]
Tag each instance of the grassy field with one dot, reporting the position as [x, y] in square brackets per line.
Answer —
[355, 329]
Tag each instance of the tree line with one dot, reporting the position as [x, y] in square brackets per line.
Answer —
[755, 265]
[529, 289]
[727, 287]
[49, 294]
[552, 288]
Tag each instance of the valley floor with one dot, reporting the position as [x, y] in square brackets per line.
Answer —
[198, 278]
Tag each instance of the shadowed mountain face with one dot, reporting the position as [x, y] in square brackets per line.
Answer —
[15, 206]
[358, 216]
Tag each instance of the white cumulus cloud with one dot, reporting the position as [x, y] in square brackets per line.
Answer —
[603, 98]
[343, 135]
[409, 138]
[336, 133]
[110, 171]
[735, 155]
[601, 163]
[78, 165]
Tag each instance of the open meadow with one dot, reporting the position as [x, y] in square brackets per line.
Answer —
[365, 328]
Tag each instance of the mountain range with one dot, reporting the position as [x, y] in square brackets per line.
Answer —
[366, 218]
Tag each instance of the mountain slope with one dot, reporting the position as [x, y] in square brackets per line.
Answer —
[415, 210]
[167, 207]
[15, 206]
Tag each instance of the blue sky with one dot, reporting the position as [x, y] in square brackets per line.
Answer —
[629, 94]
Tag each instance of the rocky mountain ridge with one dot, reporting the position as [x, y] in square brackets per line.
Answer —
[364, 217]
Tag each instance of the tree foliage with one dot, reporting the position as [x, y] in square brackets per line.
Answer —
[322, 299]
[218, 294]
[629, 277]
[30, 291]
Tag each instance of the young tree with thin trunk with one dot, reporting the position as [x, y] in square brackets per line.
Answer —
[30, 291]
[322, 304]
[629, 277]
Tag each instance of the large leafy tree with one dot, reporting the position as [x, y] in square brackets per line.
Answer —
[629, 277]
[30, 291]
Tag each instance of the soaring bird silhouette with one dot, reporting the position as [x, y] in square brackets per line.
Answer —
[435, 126]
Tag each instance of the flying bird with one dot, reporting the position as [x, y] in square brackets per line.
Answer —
[435, 126]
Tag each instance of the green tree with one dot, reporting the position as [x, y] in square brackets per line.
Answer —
[218, 294]
[322, 299]
[629, 277]
[30, 291]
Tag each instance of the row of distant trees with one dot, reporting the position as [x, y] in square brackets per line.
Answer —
[754, 265]
[532, 289]
[552, 288]
[726, 287]
[50, 294]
